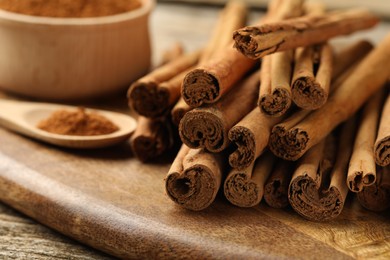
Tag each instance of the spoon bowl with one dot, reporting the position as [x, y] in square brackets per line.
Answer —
[23, 117]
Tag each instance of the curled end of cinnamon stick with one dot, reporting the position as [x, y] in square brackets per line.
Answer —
[375, 197]
[382, 151]
[244, 42]
[277, 103]
[275, 194]
[177, 115]
[357, 181]
[313, 203]
[308, 94]
[203, 129]
[254, 42]
[241, 191]
[288, 144]
[147, 99]
[199, 87]
[145, 148]
[244, 155]
[151, 139]
[195, 189]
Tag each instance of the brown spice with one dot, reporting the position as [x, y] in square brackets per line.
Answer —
[69, 8]
[78, 122]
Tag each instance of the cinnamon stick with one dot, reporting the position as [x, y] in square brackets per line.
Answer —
[179, 110]
[276, 186]
[292, 140]
[257, 41]
[207, 127]
[250, 136]
[306, 188]
[151, 138]
[349, 55]
[382, 143]
[284, 9]
[214, 78]
[362, 167]
[279, 139]
[194, 178]
[174, 52]
[312, 70]
[310, 86]
[338, 175]
[233, 16]
[377, 196]
[210, 81]
[314, 193]
[245, 188]
[275, 93]
[148, 98]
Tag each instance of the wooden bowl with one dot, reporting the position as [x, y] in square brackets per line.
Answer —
[73, 58]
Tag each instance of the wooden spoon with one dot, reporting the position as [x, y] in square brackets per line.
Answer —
[23, 117]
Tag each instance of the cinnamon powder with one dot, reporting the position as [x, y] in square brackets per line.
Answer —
[69, 8]
[77, 122]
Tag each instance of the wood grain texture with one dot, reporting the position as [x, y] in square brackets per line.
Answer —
[107, 199]
[114, 203]
[22, 238]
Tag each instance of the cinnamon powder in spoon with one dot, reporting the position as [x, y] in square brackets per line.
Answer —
[77, 122]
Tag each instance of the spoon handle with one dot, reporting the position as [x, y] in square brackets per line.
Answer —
[11, 115]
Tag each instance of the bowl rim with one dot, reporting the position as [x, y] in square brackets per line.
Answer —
[145, 8]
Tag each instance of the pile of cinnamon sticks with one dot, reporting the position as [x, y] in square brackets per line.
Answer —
[284, 114]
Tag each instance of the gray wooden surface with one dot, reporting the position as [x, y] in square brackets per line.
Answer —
[21, 237]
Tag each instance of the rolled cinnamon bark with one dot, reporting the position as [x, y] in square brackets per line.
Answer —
[276, 186]
[309, 194]
[207, 127]
[151, 138]
[250, 136]
[285, 9]
[382, 143]
[210, 81]
[245, 188]
[362, 167]
[290, 141]
[148, 98]
[280, 139]
[377, 196]
[195, 177]
[233, 16]
[213, 79]
[349, 55]
[174, 52]
[275, 92]
[257, 41]
[275, 96]
[310, 86]
[179, 110]
[306, 183]
[306, 92]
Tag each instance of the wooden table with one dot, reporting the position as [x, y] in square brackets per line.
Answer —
[356, 233]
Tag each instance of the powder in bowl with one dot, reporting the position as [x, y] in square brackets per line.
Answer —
[69, 8]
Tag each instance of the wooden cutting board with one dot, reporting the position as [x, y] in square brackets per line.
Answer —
[107, 199]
